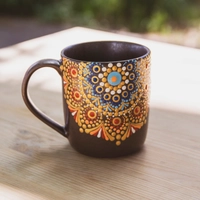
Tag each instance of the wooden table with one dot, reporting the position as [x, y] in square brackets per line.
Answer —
[37, 163]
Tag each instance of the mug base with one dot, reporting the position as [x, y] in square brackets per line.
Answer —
[100, 148]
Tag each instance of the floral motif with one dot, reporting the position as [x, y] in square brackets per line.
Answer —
[107, 100]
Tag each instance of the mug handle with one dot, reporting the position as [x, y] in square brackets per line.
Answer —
[55, 64]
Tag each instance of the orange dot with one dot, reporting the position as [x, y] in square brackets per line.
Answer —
[118, 131]
[114, 79]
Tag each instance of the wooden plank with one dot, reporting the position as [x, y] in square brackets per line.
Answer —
[37, 163]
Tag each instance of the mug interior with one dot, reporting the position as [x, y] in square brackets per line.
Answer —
[105, 51]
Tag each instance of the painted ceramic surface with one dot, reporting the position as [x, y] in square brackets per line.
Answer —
[108, 100]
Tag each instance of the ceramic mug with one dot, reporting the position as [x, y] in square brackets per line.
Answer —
[105, 96]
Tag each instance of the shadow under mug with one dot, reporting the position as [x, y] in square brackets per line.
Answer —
[105, 96]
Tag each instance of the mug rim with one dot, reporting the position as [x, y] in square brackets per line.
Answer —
[63, 55]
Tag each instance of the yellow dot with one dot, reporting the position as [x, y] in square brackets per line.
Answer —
[91, 105]
[100, 110]
[89, 126]
[104, 79]
[105, 73]
[81, 130]
[118, 137]
[124, 78]
[107, 84]
[89, 96]
[123, 72]
[119, 69]
[109, 70]
[113, 134]
[118, 143]
[115, 88]
[61, 67]
[122, 132]
[125, 111]
[109, 131]
[114, 68]
[84, 126]
[109, 114]
[110, 87]
[122, 83]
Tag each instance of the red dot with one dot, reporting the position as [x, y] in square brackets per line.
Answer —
[74, 72]
[116, 121]
[77, 95]
[92, 114]
[137, 110]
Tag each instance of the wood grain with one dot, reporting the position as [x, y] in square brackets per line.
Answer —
[38, 163]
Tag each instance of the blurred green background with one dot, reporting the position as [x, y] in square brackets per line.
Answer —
[138, 16]
[133, 15]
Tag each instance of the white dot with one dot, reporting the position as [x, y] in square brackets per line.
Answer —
[119, 91]
[101, 83]
[112, 92]
[100, 75]
[127, 73]
[124, 87]
[126, 81]
[123, 68]
[110, 65]
[107, 89]
[104, 69]
[119, 64]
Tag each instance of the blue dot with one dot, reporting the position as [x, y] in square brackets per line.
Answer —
[100, 89]
[114, 78]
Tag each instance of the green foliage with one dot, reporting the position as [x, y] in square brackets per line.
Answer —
[133, 15]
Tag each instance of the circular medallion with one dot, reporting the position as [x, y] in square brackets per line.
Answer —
[91, 114]
[116, 121]
[114, 78]
[137, 110]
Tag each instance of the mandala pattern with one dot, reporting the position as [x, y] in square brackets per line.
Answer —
[108, 100]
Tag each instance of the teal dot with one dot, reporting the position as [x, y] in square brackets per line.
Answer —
[114, 78]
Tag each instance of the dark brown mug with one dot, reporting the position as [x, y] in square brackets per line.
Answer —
[105, 94]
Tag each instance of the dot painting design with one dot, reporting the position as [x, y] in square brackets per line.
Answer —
[108, 100]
